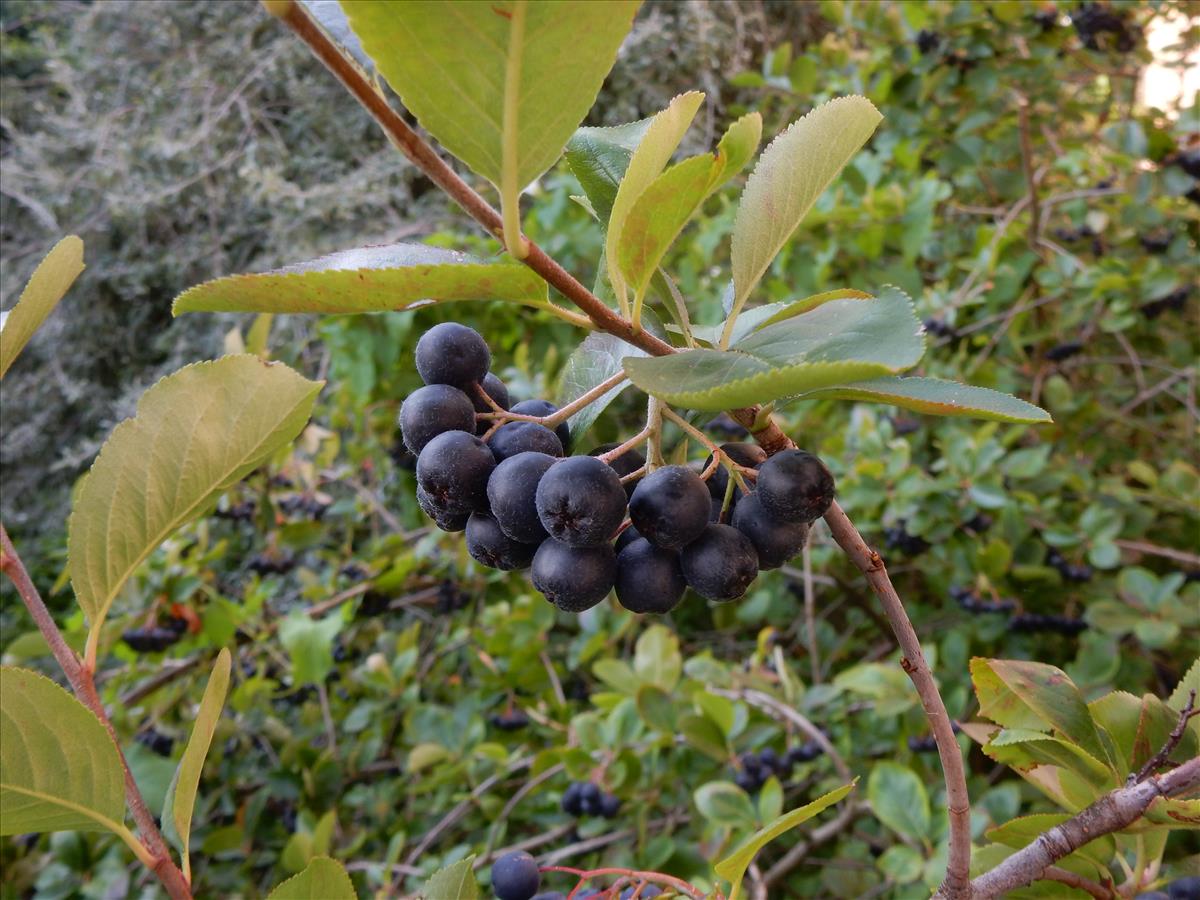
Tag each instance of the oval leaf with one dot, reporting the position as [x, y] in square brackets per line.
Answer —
[455, 882]
[59, 769]
[724, 803]
[195, 433]
[598, 158]
[322, 879]
[393, 277]
[181, 795]
[46, 286]
[791, 174]
[838, 342]
[899, 799]
[936, 397]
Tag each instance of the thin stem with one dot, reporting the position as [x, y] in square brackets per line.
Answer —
[583, 400]
[654, 420]
[738, 471]
[621, 449]
[585, 874]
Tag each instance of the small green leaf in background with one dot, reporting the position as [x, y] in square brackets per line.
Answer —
[387, 278]
[322, 879]
[724, 803]
[899, 800]
[598, 158]
[901, 863]
[195, 433]
[594, 361]
[59, 769]
[455, 882]
[791, 174]
[309, 643]
[657, 660]
[181, 795]
[838, 342]
[733, 867]
[936, 397]
[46, 286]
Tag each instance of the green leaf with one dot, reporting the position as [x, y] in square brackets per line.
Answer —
[899, 800]
[196, 433]
[46, 286]
[901, 863]
[394, 277]
[502, 85]
[180, 802]
[1189, 682]
[596, 359]
[656, 708]
[59, 769]
[724, 803]
[653, 153]
[736, 148]
[936, 397]
[840, 341]
[455, 882]
[657, 660]
[791, 174]
[733, 867]
[322, 879]
[1052, 751]
[598, 158]
[1025, 830]
[309, 643]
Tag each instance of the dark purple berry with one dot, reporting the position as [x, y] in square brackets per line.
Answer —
[491, 547]
[512, 495]
[150, 640]
[649, 578]
[574, 578]
[443, 518]
[625, 538]
[572, 799]
[748, 455]
[494, 388]
[512, 438]
[541, 409]
[720, 564]
[794, 486]
[155, 741]
[670, 507]
[581, 502]
[453, 354]
[775, 542]
[515, 876]
[433, 410]
[454, 469]
[609, 806]
[625, 464]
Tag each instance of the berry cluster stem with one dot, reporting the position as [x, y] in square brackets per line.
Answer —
[586, 874]
[586, 399]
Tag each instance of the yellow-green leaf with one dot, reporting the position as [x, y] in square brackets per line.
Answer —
[322, 879]
[936, 397]
[455, 882]
[47, 285]
[196, 433]
[59, 769]
[181, 795]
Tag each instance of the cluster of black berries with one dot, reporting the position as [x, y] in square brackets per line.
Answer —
[515, 876]
[155, 741]
[523, 505]
[305, 505]
[1092, 20]
[237, 512]
[970, 601]
[939, 328]
[1080, 572]
[155, 638]
[898, 539]
[272, 563]
[582, 798]
[1179, 889]
[1156, 242]
[928, 41]
[1172, 301]
[1032, 623]
[755, 768]
[511, 720]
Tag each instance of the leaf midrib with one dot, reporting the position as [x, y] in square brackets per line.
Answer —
[108, 823]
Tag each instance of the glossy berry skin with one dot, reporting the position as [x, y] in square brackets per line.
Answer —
[498, 391]
[443, 518]
[574, 578]
[452, 354]
[720, 564]
[649, 578]
[625, 464]
[515, 876]
[454, 469]
[749, 455]
[512, 495]
[543, 408]
[775, 542]
[1184, 888]
[512, 438]
[670, 507]
[490, 546]
[795, 486]
[432, 410]
[581, 502]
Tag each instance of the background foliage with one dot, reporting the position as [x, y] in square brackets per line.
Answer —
[374, 656]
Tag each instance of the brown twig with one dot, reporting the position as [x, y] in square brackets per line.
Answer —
[1097, 890]
[1180, 556]
[1159, 759]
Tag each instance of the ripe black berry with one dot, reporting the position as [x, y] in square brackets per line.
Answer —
[1063, 351]
[927, 744]
[909, 544]
[795, 486]
[775, 542]
[512, 495]
[580, 501]
[432, 410]
[640, 892]
[720, 564]
[515, 876]
[806, 752]
[574, 578]
[649, 578]
[625, 538]
[589, 798]
[514, 720]
[150, 640]
[748, 455]
[452, 354]
[543, 408]
[512, 438]
[610, 805]
[490, 546]
[1156, 241]
[1184, 888]
[625, 464]
[928, 41]
[572, 799]
[670, 507]
[155, 741]
[498, 391]
[454, 469]
[443, 518]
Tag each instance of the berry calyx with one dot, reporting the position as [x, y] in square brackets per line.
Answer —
[453, 354]
[515, 876]
[490, 546]
[512, 495]
[454, 468]
[432, 410]
[649, 578]
[574, 578]
[775, 542]
[720, 564]
[670, 507]
[795, 486]
[581, 501]
[444, 519]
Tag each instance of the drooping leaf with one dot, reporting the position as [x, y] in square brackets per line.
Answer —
[455, 882]
[839, 342]
[196, 432]
[59, 769]
[322, 879]
[508, 106]
[180, 802]
[937, 398]
[791, 174]
[733, 867]
[393, 277]
[899, 800]
[596, 359]
[51, 279]
[598, 158]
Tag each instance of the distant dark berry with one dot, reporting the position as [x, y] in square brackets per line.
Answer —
[928, 41]
[510, 721]
[609, 806]
[1189, 160]
[512, 495]
[1036, 622]
[769, 759]
[1172, 301]
[720, 564]
[744, 454]
[177, 624]
[1156, 242]
[515, 876]
[149, 640]
[649, 578]
[490, 546]
[939, 328]
[443, 518]
[541, 409]
[433, 410]
[574, 578]
[795, 486]
[1184, 888]
[581, 502]
[902, 426]
[625, 464]
[775, 542]
[670, 507]
[572, 799]
[898, 538]
[1046, 19]
[1063, 351]
[640, 892]
[979, 523]
[155, 741]
[922, 744]
[272, 563]
[747, 781]
[454, 469]
[372, 604]
[806, 752]
[498, 391]
[512, 438]
[452, 354]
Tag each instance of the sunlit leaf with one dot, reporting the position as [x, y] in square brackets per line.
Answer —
[46, 286]
[598, 157]
[455, 882]
[936, 397]
[322, 879]
[899, 800]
